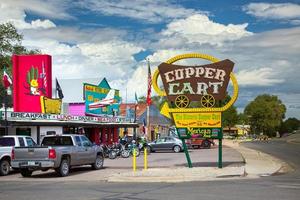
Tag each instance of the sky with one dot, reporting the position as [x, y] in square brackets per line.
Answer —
[93, 39]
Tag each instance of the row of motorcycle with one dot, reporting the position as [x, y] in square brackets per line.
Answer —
[124, 150]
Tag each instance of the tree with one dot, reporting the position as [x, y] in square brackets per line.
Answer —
[265, 114]
[243, 118]
[289, 125]
[230, 117]
[10, 43]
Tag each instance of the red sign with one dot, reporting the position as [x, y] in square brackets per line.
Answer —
[31, 79]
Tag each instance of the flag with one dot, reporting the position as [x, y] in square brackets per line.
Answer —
[6, 80]
[59, 90]
[148, 100]
[136, 98]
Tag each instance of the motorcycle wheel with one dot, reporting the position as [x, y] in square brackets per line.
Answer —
[125, 154]
[112, 155]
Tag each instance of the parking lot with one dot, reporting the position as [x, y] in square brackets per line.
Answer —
[199, 157]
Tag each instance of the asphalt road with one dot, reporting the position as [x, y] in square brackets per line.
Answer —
[279, 187]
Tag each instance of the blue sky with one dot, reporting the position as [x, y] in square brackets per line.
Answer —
[92, 39]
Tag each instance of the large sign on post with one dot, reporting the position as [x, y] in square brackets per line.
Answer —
[193, 93]
[31, 79]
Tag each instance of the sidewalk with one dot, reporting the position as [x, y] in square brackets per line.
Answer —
[257, 164]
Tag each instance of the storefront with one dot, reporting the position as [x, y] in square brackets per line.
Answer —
[103, 129]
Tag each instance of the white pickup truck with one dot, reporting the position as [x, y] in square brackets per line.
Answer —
[6, 145]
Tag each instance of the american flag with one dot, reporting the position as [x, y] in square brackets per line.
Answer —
[148, 100]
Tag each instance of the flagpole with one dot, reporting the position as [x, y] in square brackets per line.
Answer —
[55, 88]
[5, 112]
[134, 130]
[148, 107]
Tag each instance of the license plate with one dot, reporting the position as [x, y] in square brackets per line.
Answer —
[31, 163]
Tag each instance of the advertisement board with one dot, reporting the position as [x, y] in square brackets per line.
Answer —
[101, 99]
[197, 120]
[31, 79]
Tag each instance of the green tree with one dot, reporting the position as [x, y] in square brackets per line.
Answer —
[243, 118]
[230, 117]
[289, 125]
[10, 43]
[265, 114]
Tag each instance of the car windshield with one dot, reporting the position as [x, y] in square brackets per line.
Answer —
[7, 142]
[57, 141]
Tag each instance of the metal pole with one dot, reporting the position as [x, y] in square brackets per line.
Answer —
[5, 112]
[148, 123]
[187, 155]
[134, 130]
[220, 164]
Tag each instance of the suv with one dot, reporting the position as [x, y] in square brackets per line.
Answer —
[6, 145]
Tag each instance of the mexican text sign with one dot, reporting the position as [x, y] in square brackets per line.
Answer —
[31, 79]
[197, 120]
[214, 133]
[196, 81]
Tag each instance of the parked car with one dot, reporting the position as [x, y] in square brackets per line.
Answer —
[199, 142]
[58, 152]
[166, 143]
[6, 145]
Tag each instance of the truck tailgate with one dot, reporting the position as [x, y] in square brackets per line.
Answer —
[31, 153]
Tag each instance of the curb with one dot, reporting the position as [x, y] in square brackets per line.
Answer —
[179, 175]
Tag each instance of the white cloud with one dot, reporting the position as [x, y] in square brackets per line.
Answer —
[258, 77]
[14, 12]
[111, 59]
[199, 29]
[273, 10]
[147, 11]
[54, 9]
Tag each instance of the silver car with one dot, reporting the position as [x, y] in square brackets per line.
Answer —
[166, 143]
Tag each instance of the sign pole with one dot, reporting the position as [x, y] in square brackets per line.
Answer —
[220, 164]
[5, 112]
[187, 155]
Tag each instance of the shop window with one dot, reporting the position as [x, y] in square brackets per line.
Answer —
[23, 131]
[2, 131]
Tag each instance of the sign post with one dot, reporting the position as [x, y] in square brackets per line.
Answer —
[203, 85]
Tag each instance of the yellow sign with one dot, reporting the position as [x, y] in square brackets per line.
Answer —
[197, 120]
[51, 106]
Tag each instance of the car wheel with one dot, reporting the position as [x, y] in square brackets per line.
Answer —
[176, 149]
[4, 167]
[206, 144]
[26, 172]
[98, 162]
[148, 149]
[64, 168]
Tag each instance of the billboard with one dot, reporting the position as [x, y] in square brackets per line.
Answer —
[101, 99]
[196, 81]
[31, 79]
